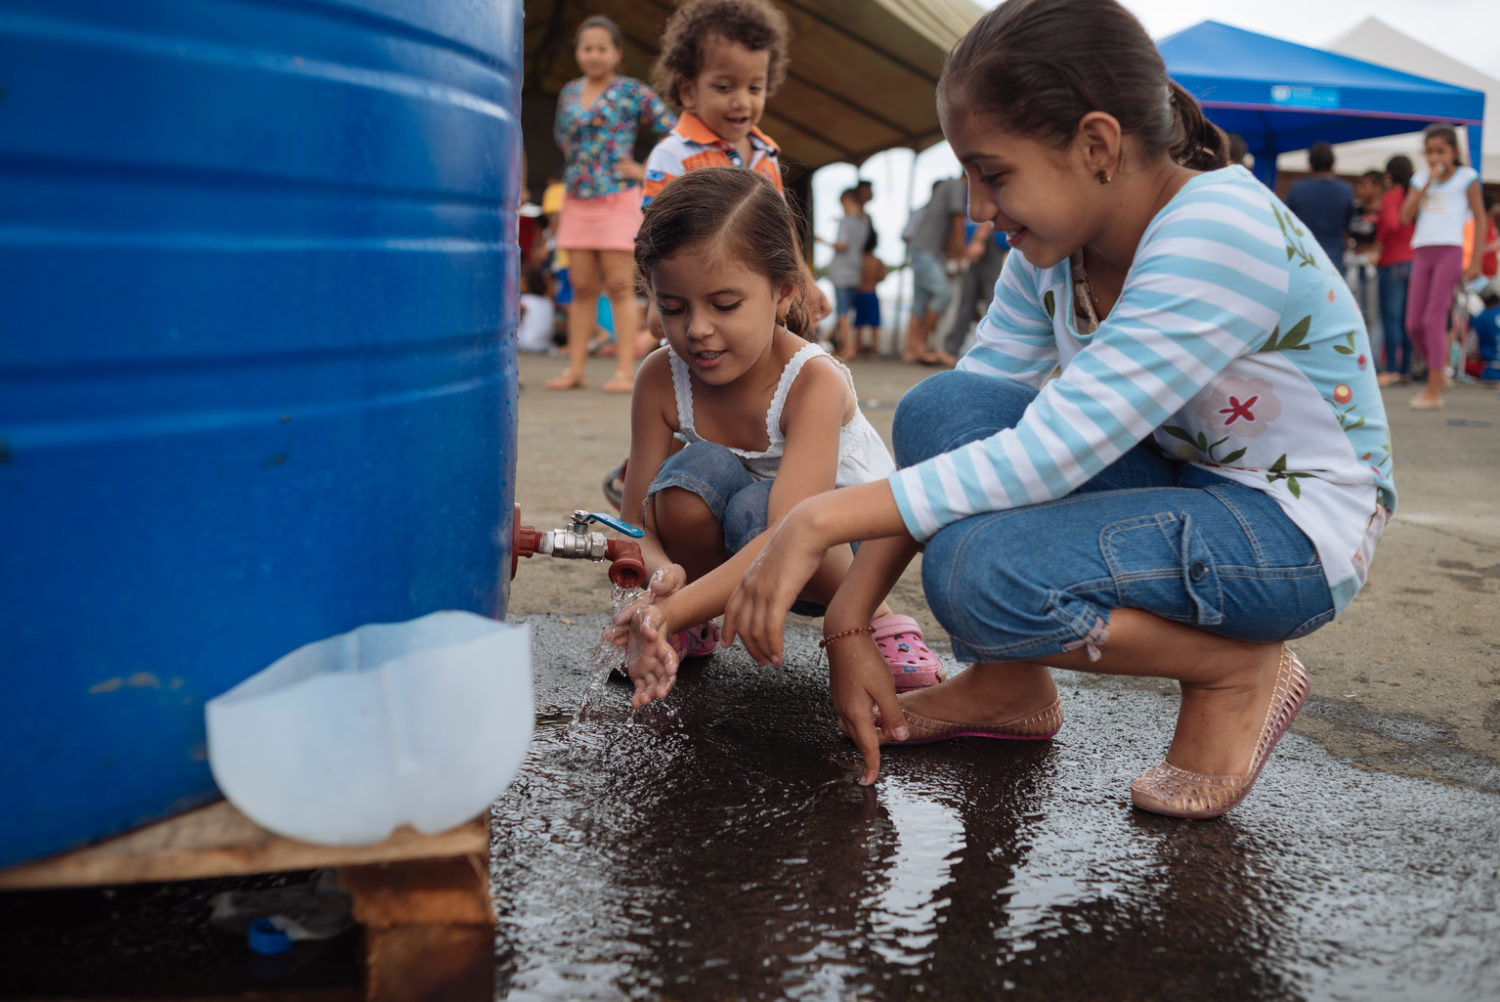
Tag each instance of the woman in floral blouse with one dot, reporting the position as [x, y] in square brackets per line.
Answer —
[597, 117]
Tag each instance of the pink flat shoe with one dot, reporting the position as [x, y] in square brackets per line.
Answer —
[1178, 793]
[697, 641]
[1037, 726]
[900, 640]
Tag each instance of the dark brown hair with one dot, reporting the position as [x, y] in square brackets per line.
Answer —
[1398, 168]
[600, 21]
[755, 24]
[1038, 66]
[1447, 134]
[736, 210]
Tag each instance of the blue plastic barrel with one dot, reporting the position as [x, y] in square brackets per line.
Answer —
[257, 364]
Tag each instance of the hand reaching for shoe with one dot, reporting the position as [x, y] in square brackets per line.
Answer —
[864, 696]
[756, 611]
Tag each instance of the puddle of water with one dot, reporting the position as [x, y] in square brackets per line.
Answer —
[718, 848]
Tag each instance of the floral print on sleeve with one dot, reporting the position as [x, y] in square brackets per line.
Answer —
[597, 137]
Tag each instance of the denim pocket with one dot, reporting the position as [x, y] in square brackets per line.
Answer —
[1162, 564]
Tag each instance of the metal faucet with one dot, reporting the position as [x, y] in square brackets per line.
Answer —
[626, 569]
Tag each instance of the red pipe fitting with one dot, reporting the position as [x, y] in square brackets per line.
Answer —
[626, 567]
[524, 539]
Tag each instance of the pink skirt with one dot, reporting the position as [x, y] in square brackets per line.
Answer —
[605, 223]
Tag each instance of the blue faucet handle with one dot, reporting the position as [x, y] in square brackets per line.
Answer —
[614, 523]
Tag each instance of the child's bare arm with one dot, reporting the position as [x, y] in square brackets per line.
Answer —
[1476, 206]
[650, 661]
[650, 445]
[1413, 203]
[757, 609]
[818, 404]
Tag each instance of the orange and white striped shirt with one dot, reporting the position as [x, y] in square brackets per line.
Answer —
[692, 144]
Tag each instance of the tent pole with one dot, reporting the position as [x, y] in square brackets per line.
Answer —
[1267, 174]
[911, 187]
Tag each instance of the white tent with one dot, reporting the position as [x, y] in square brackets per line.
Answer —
[1377, 42]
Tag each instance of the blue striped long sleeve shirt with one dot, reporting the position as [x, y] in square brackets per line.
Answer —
[1235, 344]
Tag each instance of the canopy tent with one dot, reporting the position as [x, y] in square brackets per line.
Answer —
[1280, 96]
[1378, 42]
[862, 75]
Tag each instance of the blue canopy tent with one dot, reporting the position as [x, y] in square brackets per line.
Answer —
[1281, 96]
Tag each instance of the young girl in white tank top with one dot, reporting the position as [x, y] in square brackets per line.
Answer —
[735, 420]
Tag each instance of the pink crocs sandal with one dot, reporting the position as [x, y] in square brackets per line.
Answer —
[697, 641]
[901, 644]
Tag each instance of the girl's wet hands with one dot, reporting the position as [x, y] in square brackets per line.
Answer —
[864, 695]
[642, 630]
[756, 611]
[667, 579]
[651, 662]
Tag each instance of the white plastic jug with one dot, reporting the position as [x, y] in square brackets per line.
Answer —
[340, 741]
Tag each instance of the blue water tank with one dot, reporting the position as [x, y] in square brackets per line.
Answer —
[257, 363]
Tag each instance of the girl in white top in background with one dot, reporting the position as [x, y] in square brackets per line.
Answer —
[1440, 200]
[735, 420]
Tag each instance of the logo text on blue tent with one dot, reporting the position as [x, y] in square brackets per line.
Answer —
[1291, 96]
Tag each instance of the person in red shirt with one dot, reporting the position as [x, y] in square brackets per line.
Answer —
[1393, 245]
[1489, 264]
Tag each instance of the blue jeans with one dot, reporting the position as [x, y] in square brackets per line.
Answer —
[843, 301]
[1148, 532]
[739, 502]
[930, 291]
[1395, 344]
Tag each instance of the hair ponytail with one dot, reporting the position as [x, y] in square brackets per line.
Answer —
[798, 318]
[1037, 67]
[1203, 145]
[1400, 171]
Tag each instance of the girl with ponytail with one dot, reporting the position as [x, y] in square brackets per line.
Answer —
[768, 418]
[1205, 478]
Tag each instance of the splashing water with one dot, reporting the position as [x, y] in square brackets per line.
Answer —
[604, 657]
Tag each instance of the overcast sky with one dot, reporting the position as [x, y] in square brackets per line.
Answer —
[1467, 30]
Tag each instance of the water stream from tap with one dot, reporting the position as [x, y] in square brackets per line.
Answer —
[604, 658]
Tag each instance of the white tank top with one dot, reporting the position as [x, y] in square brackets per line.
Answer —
[863, 456]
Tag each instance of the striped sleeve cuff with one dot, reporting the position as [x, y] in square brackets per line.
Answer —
[906, 488]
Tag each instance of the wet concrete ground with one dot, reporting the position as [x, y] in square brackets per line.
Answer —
[716, 847]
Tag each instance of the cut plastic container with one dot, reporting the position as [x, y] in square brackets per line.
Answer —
[339, 742]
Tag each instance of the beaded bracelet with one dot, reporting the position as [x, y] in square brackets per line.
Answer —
[822, 644]
[847, 633]
[840, 636]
